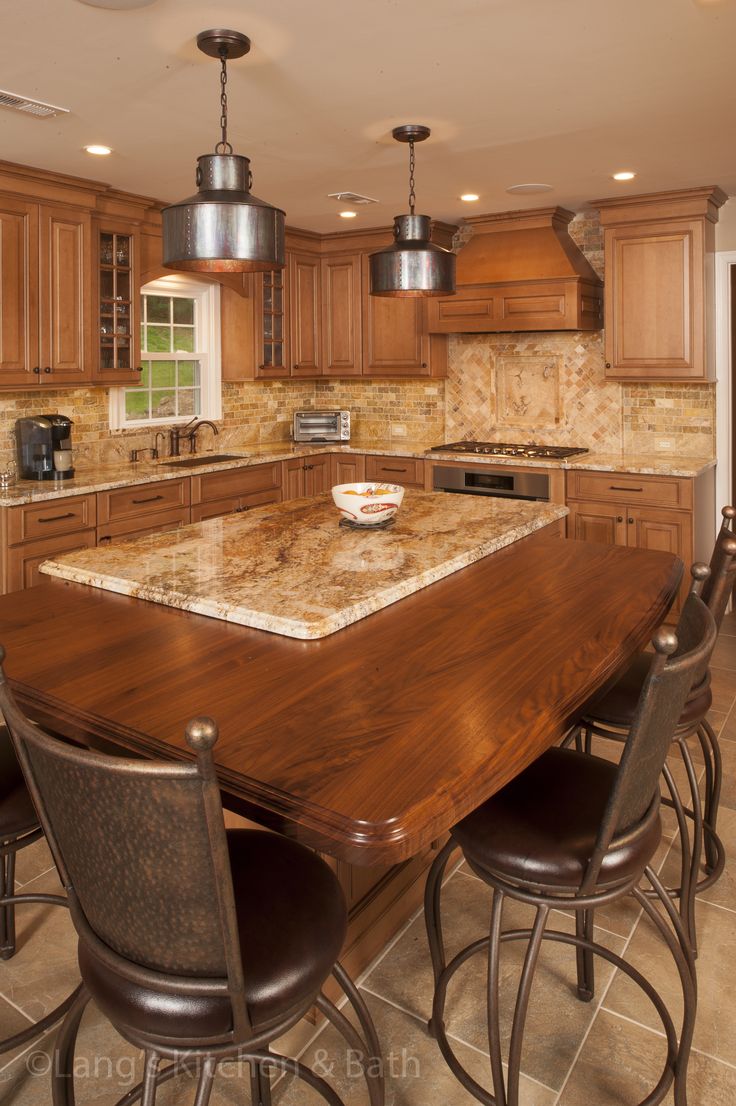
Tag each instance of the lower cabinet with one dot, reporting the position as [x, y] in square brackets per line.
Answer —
[626, 509]
[347, 468]
[306, 476]
[34, 532]
[407, 471]
[155, 522]
[235, 490]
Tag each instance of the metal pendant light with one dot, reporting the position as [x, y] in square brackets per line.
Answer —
[223, 228]
[412, 266]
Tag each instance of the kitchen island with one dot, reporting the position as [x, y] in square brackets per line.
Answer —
[368, 743]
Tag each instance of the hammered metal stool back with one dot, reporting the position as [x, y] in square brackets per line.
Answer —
[575, 832]
[19, 828]
[143, 853]
[610, 716]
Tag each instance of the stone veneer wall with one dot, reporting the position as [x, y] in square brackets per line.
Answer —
[552, 384]
[552, 387]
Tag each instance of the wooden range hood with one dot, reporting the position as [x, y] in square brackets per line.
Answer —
[521, 270]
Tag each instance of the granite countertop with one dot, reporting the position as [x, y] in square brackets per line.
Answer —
[258, 569]
[91, 477]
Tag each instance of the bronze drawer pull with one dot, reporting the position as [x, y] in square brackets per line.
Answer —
[58, 518]
[387, 469]
[615, 488]
[151, 499]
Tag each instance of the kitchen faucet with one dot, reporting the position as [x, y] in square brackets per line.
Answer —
[177, 433]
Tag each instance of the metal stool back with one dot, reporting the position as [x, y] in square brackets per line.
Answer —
[143, 853]
[530, 845]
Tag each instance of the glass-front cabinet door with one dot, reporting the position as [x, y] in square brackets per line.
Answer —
[272, 354]
[117, 314]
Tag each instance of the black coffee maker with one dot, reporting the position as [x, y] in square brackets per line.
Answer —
[44, 447]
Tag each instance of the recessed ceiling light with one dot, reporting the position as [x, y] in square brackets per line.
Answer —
[348, 214]
[99, 151]
[470, 197]
[625, 174]
[528, 189]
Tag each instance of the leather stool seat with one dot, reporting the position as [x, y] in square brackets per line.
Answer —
[541, 828]
[618, 706]
[17, 812]
[292, 922]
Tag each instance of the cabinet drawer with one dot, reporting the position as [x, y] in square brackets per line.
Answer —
[408, 471]
[234, 504]
[236, 482]
[23, 562]
[616, 487]
[44, 520]
[141, 500]
[153, 523]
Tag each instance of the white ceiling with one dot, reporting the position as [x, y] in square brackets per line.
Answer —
[559, 91]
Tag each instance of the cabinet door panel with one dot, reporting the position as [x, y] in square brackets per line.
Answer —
[599, 522]
[138, 527]
[292, 480]
[654, 301]
[18, 292]
[665, 531]
[341, 322]
[64, 295]
[347, 468]
[316, 475]
[23, 561]
[305, 296]
[395, 340]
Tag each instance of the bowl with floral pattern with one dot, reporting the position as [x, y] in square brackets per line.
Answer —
[367, 504]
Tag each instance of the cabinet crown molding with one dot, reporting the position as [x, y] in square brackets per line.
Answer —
[683, 203]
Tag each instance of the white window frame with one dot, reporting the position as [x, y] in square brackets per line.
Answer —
[207, 316]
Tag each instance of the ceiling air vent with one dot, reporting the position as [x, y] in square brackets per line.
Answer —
[30, 107]
[350, 198]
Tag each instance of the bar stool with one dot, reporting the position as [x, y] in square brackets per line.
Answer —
[611, 715]
[199, 945]
[19, 828]
[574, 832]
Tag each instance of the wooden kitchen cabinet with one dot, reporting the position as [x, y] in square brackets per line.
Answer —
[271, 321]
[33, 532]
[407, 471]
[395, 337]
[347, 468]
[136, 502]
[305, 476]
[45, 263]
[234, 490]
[341, 315]
[154, 522]
[647, 512]
[116, 300]
[305, 314]
[659, 257]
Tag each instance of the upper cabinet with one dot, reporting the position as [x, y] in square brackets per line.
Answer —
[45, 267]
[341, 315]
[659, 303]
[305, 300]
[271, 325]
[395, 337]
[116, 251]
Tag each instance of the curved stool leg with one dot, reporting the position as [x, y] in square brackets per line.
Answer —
[687, 899]
[683, 833]
[260, 1086]
[432, 916]
[62, 1073]
[150, 1073]
[493, 1003]
[372, 1075]
[37, 1029]
[206, 1079]
[7, 911]
[522, 1003]
[374, 1056]
[712, 798]
[584, 957]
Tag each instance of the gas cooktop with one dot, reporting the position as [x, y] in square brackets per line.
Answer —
[506, 449]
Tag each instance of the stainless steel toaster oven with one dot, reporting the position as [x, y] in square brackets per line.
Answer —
[321, 426]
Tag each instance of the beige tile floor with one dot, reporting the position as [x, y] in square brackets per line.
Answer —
[606, 1053]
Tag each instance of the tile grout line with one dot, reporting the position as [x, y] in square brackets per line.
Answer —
[451, 1036]
[663, 1037]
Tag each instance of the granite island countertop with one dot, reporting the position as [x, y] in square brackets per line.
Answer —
[93, 477]
[293, 570]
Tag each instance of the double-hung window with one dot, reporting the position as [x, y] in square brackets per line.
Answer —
[180, 357]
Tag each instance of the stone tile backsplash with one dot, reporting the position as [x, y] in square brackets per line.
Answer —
[500, 387]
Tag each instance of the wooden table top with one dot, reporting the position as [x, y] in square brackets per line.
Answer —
[372, 742]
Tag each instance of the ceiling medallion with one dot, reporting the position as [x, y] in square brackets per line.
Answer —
[223, 228]
[412, 265]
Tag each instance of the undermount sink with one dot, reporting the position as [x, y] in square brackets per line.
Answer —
[201, 459]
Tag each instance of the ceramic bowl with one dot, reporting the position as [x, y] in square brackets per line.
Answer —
[369, 503]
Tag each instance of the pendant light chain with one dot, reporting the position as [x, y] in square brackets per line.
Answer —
[223, 146]
[412, 195]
